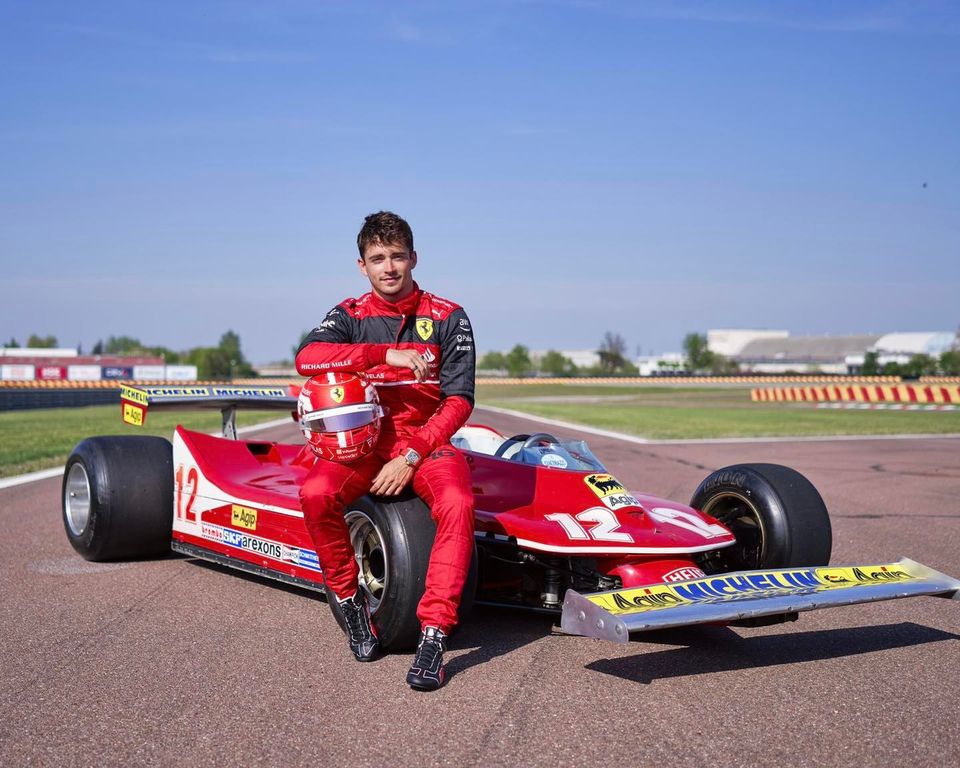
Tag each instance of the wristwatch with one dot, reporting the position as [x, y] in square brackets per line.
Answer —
[411, 457]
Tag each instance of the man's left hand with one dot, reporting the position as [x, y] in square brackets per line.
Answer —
[392, 478]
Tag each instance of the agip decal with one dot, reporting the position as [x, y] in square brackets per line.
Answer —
[133, 414]
[243, 517]
[610, 491]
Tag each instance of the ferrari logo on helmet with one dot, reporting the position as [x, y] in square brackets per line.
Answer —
[425, 328]
[337, 394]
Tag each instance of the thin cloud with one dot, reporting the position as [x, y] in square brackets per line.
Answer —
[812, 17]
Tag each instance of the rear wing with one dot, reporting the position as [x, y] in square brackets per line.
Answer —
[136, 401]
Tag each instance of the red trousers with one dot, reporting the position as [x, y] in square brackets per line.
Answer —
[442, 480]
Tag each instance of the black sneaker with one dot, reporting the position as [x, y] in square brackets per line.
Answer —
[360, 632]
[427, 672]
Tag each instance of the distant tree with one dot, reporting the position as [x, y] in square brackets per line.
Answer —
[950, 362]
[919, 365]
[211, 362]
[12, 344]
[871, 365]
[42, 342]
[237, 363]
[611, 352]
[97, 348]
[555, 364]
[723, 366]
[699, 356]
[493, 361]
[123, 345]
[169, 356]
[892, 368]
[518, 361]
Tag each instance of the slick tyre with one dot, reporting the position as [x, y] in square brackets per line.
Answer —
[778, 517]
[392, 543]
[117, 497]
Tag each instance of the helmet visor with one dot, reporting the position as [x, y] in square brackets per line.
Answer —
[341, 419]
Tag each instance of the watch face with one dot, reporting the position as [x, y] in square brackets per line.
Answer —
[412, 457]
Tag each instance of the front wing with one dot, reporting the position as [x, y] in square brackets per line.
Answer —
[745, 595]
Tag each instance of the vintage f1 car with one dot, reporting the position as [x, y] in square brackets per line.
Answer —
[555, 531]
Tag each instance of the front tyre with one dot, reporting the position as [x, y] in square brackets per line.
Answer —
[392, 542]
[777, 515]
[117, 497]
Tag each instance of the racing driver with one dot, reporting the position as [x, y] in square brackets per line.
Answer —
[418, 350]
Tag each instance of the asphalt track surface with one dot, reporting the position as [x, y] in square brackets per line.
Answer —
[174, 661]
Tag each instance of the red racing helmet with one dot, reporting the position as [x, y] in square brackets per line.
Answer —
[339, 416]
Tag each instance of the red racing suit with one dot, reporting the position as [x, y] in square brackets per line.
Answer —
[355, 337]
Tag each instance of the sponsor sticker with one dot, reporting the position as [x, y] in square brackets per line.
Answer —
[610, 491]
[603, 484]
[161, 392]
[553, 460]
[133, 414]
[617, 500]
[273, 550]
[243, 517]
[248, 392]
[424, 327]
[336, 394]
[732, 587]
[133, 395]
[684, 574]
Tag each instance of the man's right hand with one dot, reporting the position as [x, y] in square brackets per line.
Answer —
[408, 358]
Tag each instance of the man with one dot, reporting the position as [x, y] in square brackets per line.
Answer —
[418, 350]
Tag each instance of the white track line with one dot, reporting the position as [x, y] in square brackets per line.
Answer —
[46, 474]
[705, 441]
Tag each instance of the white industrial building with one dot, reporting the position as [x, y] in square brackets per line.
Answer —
[764, 351]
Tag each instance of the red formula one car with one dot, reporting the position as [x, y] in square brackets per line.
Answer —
[555, 531]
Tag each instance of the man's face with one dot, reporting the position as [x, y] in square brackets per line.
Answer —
[389, 268]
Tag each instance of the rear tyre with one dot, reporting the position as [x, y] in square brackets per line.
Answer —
[117, 497]
[392, 543]
[777, 515]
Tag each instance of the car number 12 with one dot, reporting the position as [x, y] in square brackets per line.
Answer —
[604, 528]
[193, 479]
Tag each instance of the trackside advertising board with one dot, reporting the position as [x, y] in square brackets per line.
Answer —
[16, 372]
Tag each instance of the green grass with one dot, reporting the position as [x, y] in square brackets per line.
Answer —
[40, 439]
[43, 438]
[673, 413]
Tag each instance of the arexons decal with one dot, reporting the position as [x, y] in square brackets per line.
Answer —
[273, 550]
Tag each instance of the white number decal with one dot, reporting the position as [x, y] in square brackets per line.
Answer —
[604, 528]
[685, 520]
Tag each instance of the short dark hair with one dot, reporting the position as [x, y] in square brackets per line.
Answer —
[384, 227]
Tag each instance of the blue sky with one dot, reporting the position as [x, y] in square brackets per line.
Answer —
[174, 169]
